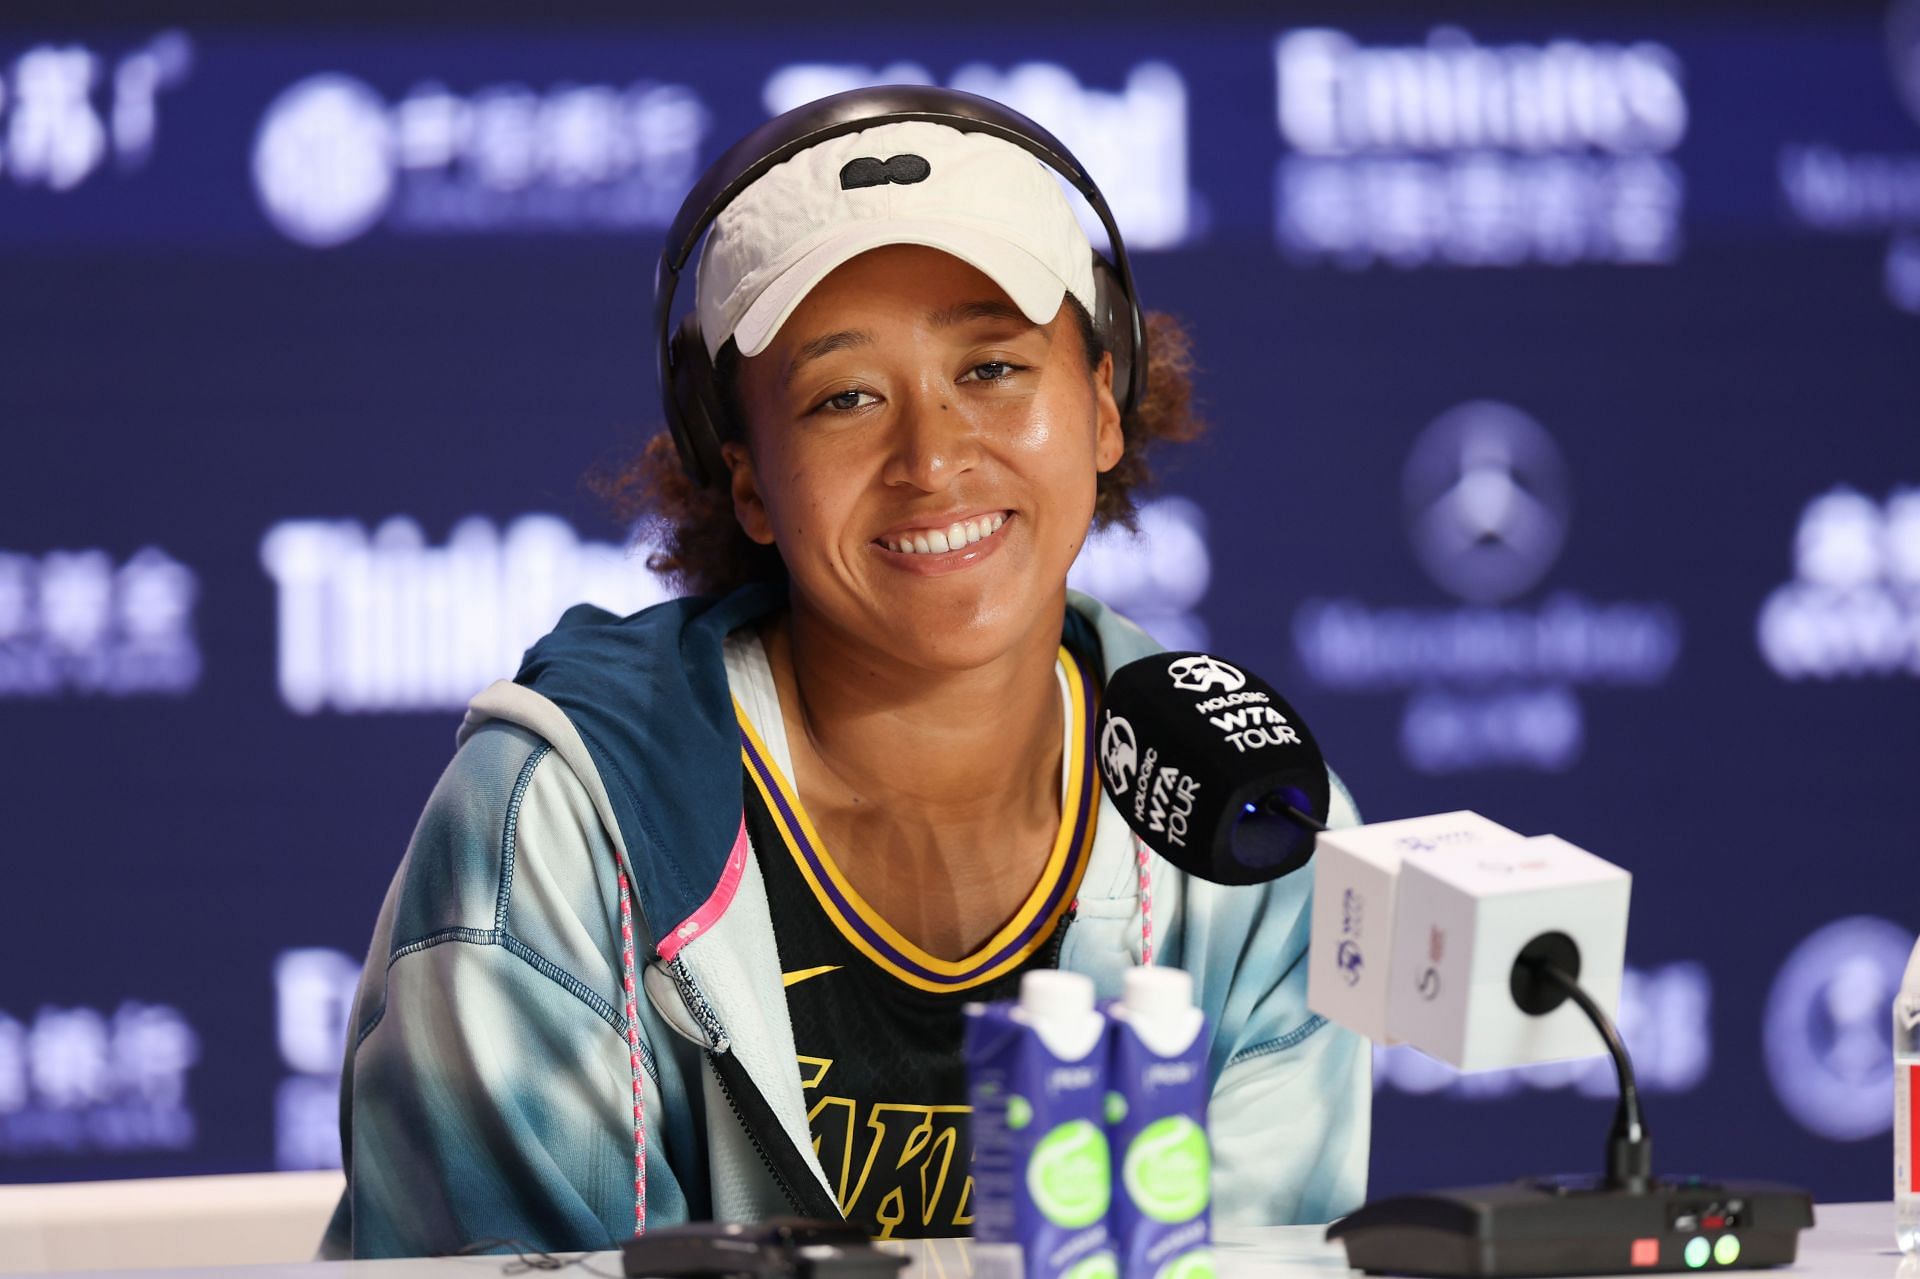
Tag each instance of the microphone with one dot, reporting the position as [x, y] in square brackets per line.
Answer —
[1211, 768]
[1219, 776]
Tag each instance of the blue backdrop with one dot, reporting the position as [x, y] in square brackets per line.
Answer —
[1565, 381]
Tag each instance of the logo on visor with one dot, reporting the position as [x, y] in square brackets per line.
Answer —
[866, 171]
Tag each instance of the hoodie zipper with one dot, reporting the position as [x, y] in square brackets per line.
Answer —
[751, 1110]
[755, 1116]
[802, 1192]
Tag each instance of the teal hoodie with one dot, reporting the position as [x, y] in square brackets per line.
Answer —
[502, 1082]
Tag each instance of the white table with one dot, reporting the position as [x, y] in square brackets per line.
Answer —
[1849, 1241]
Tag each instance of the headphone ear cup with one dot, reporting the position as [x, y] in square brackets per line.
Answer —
[1113, 319]
[695, 415]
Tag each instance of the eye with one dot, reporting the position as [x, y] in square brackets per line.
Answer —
[992, 371]
[843, 402]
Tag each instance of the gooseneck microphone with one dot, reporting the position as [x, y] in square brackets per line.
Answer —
[1211, 768]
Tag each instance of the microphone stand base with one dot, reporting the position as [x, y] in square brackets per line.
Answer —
[1577, 1226]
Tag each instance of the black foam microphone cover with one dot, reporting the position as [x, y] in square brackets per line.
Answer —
[1203, 759]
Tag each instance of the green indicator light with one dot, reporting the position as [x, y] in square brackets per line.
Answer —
[1698, 1250]
[1726, 1250]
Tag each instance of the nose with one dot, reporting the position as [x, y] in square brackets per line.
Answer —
[933, 441]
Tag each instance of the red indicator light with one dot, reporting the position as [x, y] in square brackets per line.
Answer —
[1646, 1252]
[1713, 1223]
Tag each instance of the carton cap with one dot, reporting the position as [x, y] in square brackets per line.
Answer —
[1158, 992]
[1048, 992]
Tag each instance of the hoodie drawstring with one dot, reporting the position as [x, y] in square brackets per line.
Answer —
[633, 1062]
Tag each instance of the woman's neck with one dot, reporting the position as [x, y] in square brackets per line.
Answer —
[938, 793]
[950, 745]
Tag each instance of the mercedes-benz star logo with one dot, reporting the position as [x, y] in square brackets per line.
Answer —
[1486, 500]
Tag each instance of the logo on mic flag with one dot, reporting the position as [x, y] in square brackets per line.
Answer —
[1208, 778]
[1119, 756]
[1201, 673]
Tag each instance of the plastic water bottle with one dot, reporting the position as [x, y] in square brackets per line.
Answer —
[1906, 1118]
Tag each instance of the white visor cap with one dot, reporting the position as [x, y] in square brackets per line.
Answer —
[984, 200]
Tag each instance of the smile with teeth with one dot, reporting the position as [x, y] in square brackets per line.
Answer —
[935, 541]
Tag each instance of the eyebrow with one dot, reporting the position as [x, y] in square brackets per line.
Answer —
[984, 309]
[940, 318]
[825, 346]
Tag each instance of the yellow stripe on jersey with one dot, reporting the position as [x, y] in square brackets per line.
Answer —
[862, 926]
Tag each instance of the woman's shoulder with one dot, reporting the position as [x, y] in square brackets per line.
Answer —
[508, 807]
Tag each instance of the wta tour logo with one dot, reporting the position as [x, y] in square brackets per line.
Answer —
[1492, 682]
[1203, 674]
[1119, 754]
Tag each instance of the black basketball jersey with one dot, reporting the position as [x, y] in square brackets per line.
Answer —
[877, 1021]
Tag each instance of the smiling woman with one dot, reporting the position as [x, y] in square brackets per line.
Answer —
[701, 547]
[711, 884]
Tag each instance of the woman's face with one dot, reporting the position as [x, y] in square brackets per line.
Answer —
[907, 397]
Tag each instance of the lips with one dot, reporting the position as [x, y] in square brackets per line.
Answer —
[941, 539]
[902, 548]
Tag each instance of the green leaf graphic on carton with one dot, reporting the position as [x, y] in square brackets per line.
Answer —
[1197, 1264]
[1068, 1176]
[1101, 1265]
[1168, 1170]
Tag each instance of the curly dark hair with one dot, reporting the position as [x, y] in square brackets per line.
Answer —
[702, 548]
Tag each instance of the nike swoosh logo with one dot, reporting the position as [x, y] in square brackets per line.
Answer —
[801, 974]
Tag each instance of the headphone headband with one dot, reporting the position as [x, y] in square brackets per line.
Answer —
[786, 135]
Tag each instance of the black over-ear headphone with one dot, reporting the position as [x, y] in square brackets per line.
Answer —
[688, 391]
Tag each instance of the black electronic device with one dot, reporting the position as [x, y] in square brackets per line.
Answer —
[782, 1248]
[1192, 737]
[1211, 768]
[1554, 1227]
[1624, 1221]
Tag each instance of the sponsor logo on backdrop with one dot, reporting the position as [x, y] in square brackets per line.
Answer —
[1829, 1039]
[68, 112]
[75, 622]
[1158, 576]
[1457, 153]
[333, 158]
[381, 620]
[1832, 189]
[1486, 502]
[1493, 681]
[1665, 1017]
[1852, 609]
[1132, 139]
[313, 1000]
[79, 1081]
